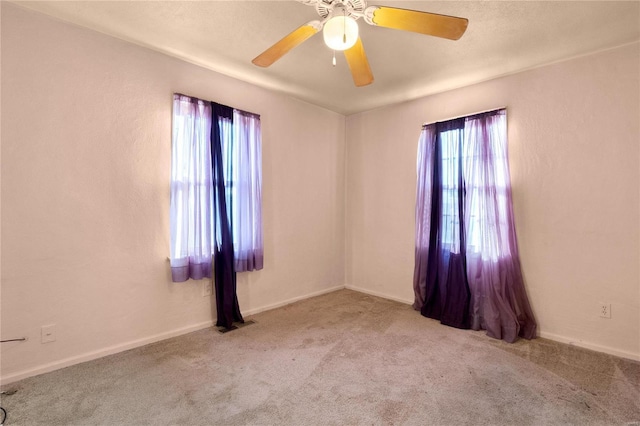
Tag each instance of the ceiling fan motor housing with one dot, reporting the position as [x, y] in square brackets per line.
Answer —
[352, 8]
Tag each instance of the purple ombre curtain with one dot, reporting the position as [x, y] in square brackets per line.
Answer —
[191, 213]
[467, 271]
[426, 151]
[499, 300]
[247, 186]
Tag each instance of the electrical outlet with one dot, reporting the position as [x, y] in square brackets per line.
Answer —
[206, 289]
[48, 333]
[605, 310]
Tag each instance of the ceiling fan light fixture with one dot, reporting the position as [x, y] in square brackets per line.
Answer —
[339, 27]
[340, 32]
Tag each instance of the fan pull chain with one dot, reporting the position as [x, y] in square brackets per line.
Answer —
[344, 27]
[334, 58]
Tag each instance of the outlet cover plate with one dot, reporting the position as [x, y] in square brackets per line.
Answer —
[48, 333]
[605, 310]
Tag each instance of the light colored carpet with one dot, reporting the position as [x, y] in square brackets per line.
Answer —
[340, 358]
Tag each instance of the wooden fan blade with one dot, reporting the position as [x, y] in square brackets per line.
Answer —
[287, 43]
[432, 24]
[358, 64]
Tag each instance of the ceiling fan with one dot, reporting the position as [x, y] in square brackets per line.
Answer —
[340, 31]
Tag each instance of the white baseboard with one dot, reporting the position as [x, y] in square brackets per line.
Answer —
[56, 365]
[375, 293]
[551, 336]
[89, 356]
[588, 345]
[292, 300]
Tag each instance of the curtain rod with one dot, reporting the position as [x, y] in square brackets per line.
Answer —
[466, 115]
[243, 112]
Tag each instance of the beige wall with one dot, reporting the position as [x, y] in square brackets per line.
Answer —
[574, 153]
[85, 192]
[86, 139]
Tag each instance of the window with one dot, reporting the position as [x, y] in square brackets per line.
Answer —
[196, 221]
[467, 271]
[470, 173]
[450, 164]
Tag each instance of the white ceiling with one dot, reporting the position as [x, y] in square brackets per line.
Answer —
[503, 37]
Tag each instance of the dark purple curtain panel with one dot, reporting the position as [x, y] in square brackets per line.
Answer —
[227, 306]
[467, 271]
[447, 290]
